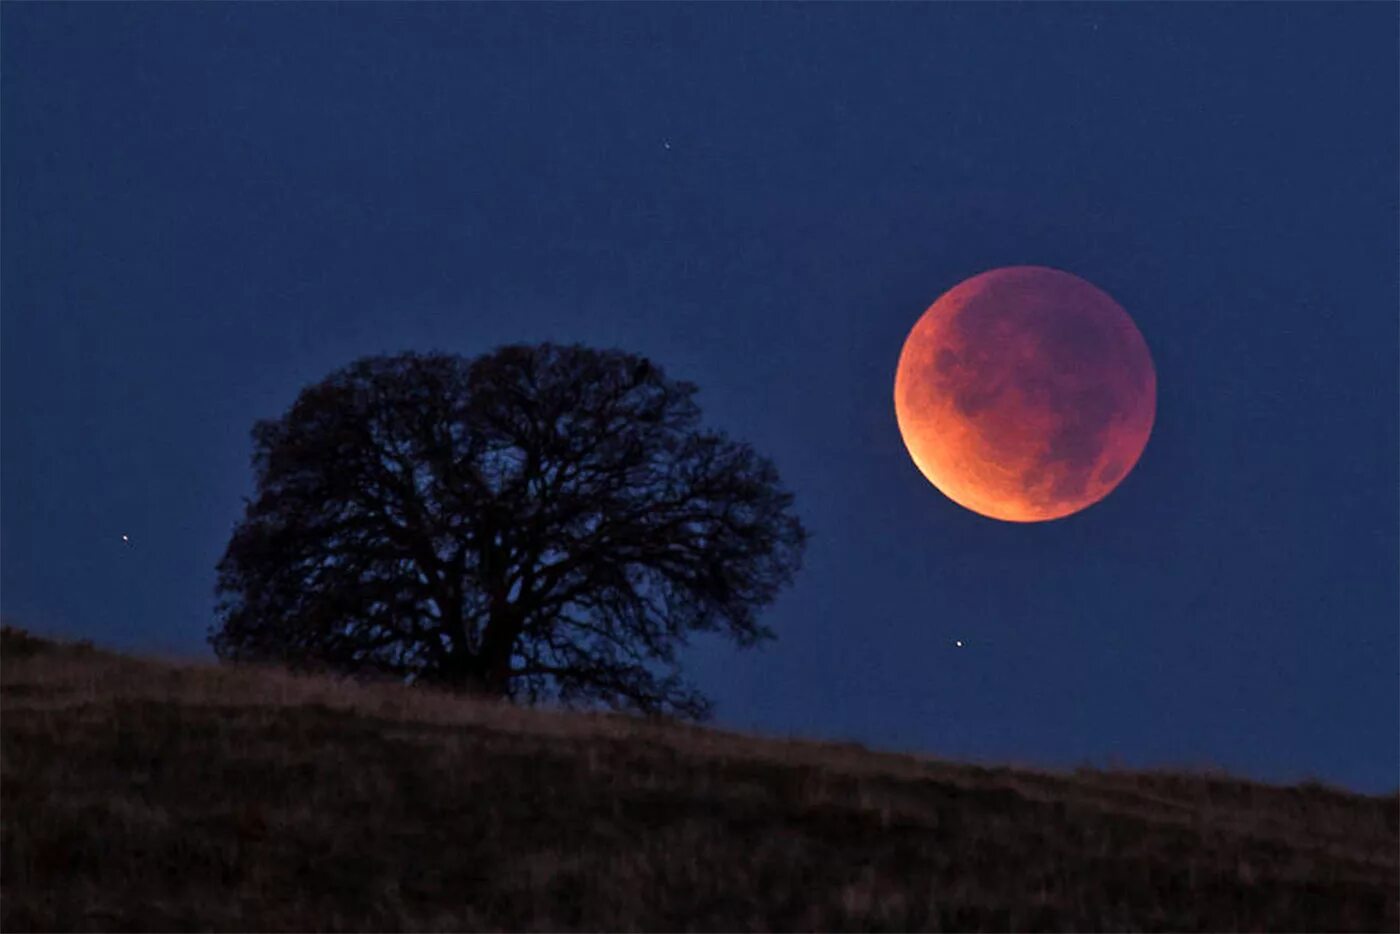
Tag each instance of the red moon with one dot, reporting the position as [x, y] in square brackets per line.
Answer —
[1025, 394]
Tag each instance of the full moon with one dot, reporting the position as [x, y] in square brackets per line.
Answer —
[1025, 394]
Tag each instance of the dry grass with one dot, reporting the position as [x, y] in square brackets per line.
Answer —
[144, 795]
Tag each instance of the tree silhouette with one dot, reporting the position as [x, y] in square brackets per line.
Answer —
[542, 521]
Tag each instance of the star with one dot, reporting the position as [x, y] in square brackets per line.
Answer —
[126, 539]
[958, 643]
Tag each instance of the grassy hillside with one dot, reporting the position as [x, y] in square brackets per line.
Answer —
[140, 795]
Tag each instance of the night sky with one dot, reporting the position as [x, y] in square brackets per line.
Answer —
[207, 207]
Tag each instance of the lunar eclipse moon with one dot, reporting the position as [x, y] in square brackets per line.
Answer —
[1025, 394]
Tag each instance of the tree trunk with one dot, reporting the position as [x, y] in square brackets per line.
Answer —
[497, 646]
[469, 679]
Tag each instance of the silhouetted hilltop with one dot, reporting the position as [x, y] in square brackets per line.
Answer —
[147, 795]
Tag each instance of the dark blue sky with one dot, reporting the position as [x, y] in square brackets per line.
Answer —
[207, 207]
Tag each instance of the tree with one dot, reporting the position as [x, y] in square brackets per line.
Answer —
[540, 522]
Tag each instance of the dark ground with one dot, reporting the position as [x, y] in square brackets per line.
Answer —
[143, 795]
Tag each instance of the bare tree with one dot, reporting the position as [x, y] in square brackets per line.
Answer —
[542, 521]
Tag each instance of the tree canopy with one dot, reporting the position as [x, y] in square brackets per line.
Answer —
[540, 522]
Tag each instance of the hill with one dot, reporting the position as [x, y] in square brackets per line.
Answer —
[147, 795]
